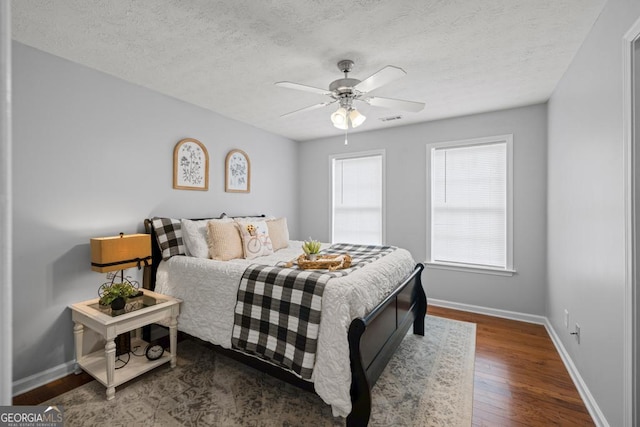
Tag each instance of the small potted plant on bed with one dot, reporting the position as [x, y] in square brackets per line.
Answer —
[116, 294]
[311, 248]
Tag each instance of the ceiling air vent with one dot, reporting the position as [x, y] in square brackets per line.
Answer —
[390, 119]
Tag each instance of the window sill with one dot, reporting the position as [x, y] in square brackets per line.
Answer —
[470, 269]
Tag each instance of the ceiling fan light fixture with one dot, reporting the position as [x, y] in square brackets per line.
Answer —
[342, 126]
[347, 90]
[339, 118]
[356, 118]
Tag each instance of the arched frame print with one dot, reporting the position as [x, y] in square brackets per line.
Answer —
[237, 172]
[190, 165]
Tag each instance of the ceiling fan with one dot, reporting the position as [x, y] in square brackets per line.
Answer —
[347, 90]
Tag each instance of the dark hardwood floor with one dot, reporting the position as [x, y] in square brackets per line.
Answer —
[52, 389]
[520, 379]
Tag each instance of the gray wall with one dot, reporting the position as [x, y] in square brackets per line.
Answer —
[93, 156]
[586, 207]
[406, 200]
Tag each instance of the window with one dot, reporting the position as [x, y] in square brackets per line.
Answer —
[357, 208]
[470, 204]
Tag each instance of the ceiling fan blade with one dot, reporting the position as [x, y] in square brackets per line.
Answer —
[382, 77]
[298, 86]
[397, 104]
[309, 108]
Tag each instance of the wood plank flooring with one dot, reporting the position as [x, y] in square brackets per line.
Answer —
[520, 379]
[52, 389]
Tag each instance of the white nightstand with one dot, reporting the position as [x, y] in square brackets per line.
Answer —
[101, 364]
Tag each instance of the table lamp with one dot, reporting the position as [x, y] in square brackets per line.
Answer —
[120, 252]
[117, 253]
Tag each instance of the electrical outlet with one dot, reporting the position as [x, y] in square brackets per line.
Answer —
[577, 333]
[566, 318]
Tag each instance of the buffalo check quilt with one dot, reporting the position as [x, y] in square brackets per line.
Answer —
[277, 315]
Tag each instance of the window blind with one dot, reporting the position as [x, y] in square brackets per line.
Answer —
[469, 205]
[357, 200]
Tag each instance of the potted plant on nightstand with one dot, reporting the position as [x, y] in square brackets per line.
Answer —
[116, 294]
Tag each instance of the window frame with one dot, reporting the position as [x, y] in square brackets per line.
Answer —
[356, 155]
[430, 263]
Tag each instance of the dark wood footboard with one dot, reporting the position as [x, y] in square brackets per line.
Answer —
[373, 339]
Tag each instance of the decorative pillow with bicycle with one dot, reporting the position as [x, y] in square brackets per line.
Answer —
[255, 238]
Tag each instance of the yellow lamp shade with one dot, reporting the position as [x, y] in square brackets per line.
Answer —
[119, 252]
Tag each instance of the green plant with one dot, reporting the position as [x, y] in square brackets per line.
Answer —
[311, 246]
[111, 291]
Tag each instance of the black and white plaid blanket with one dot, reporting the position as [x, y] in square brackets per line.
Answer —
[277, 315]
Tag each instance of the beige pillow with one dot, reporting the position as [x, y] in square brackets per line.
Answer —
[279, 233]
[255, 238]
[224, 240]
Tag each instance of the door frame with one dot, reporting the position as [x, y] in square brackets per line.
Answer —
[631, 140]
[6, 341]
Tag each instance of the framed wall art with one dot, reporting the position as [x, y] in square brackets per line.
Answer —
[190, 165]
[237, 172]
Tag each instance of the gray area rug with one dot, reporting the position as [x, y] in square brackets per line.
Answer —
[428, 382]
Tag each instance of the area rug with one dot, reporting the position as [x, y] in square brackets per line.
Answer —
[428, 382]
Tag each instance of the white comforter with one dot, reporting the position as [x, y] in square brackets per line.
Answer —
[209, 289]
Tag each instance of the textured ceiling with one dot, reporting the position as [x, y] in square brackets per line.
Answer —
[461, 56]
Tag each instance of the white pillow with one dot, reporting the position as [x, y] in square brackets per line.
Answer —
[194, 236]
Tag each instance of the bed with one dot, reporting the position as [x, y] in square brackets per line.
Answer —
[359, 332]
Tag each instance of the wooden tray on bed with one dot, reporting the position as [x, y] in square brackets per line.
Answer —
[325, 262]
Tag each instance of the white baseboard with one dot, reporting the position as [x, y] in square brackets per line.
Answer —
[41, 378]
[588, 399]
[505, 314]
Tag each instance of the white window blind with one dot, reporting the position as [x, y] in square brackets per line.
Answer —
[469, 206]
[357, 199]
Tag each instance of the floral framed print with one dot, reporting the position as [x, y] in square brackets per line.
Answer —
[237, 172]
[190, 165]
